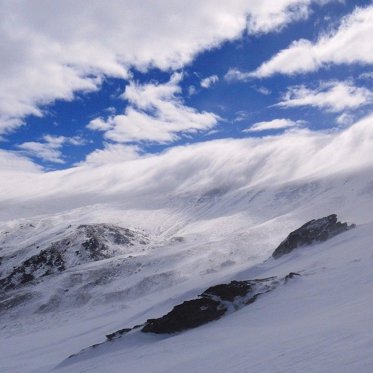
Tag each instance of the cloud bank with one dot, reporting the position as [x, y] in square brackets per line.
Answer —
[189, 170]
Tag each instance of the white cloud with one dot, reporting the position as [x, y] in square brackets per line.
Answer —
[345, 119]
[209, 81]
[51, 50]
[332, 96]
[263, 90]
[15, 163]
[112, 153]
[156, 113]
[235, 74]
[350, 43]
[99, 124]
[366, 75]
[192, 90]
[50, 148]
[241, 115]
[273, 15]
[274, 124]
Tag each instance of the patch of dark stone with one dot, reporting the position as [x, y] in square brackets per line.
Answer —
[211, 305]
[117, 334]
[190, 314]
[317, 230]
[53, 259]
[46, 262]
[290, 276]
[97, 234]
[116, 235]
[228, 292]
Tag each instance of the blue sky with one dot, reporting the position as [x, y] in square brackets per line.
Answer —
[85, 91]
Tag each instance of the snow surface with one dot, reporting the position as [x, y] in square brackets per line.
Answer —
[203, 231]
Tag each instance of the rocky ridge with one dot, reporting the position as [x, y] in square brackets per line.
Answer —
[316, 230]
[84, 244]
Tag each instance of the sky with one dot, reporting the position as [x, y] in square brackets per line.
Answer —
[85, 84]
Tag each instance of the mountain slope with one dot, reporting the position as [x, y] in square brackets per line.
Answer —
[206, 218]
[318, 322]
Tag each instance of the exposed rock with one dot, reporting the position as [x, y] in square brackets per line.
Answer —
[100, 236]
[187, 315]
[314, 231]
[45, 263]
[213, 303]
[228, 292]
[291, 275]
[84, 244]
[117, 334]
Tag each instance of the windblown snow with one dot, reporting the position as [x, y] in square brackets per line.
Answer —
[94, 249]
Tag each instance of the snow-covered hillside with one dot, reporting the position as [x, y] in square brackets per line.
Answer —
[203, 218]
[319, 322]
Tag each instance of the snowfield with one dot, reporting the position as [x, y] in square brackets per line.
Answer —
[203, 219]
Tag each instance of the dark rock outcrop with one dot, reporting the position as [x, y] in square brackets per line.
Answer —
[117, 334]
[212, 304]
[290, 276]
[45, 263]
[316, 230]
[187, 315]
[228, 292]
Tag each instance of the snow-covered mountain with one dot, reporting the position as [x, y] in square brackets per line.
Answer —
[93, 250]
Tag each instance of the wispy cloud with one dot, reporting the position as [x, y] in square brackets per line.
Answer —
[241, 115]
[235, 74]
[345, 119]
[332, 96]
[209, 81]
[50, 148]
[366, 75]
[275, 124]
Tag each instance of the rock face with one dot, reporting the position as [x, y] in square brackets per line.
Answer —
[84, 244]
[314, 231]
[187, 315]
[45, 263]
[212, 304]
